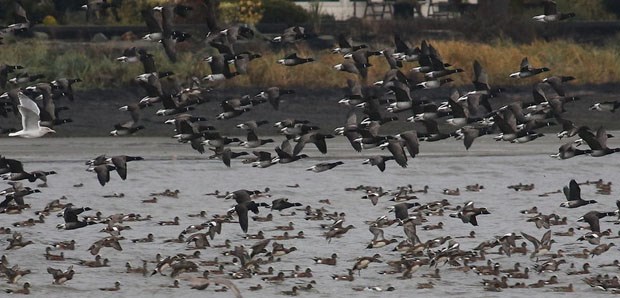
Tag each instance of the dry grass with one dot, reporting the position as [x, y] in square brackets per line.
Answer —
[95, 63]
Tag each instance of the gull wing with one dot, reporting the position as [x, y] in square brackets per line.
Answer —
[30, 112]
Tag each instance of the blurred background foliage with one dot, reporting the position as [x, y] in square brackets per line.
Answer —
[69, 12]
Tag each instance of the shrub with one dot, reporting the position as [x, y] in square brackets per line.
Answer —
[50, 21]
[241, 11]
[282, 11]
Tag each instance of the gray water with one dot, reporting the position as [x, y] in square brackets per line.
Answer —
[169, 165]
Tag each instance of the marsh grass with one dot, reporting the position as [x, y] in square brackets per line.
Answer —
[96, 65]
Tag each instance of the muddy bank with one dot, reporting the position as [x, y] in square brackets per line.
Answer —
[94, 112]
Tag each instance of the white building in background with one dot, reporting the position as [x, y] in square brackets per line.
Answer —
[346, 9]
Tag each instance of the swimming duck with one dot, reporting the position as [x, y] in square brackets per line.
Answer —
[174, 222]
[380, 243]
[345, 277]
[117, 286]
[451, 192]
[24, 290]
[568, 288]
[601, 249]
[326, 261]
[51, 257]
[141, 270]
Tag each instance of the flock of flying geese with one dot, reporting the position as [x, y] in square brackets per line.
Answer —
[471, 113]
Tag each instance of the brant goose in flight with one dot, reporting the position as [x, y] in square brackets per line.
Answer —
[264, 159]
[527, 71]
[593, 220]
[163, 32]
[597, 143]
[556, 83]
[251, 124]
[285, 153]
[24, 77]
[64, 87]
[573, 196]
[345, 45]
[103, 173]
[551, 13]
[70, 215]
[283, 203]
[293, 59]
[401, 210]
[468, 213]
[253, 141]
[226, 154]
[120, 163]
[610, 106]
[16, 193]
[273, 94]
[312, 137]
[324, 166]
[101, 166]
[293, 34]
[14, 171]
[398, 152]
[403, 52]
[5, 69]
[242, 212]
[378, 160]
[351, 130]
[242, 61]
[220, 69]
[569, 150]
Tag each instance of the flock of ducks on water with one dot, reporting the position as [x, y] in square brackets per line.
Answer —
[406, 258]
[471, 113]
